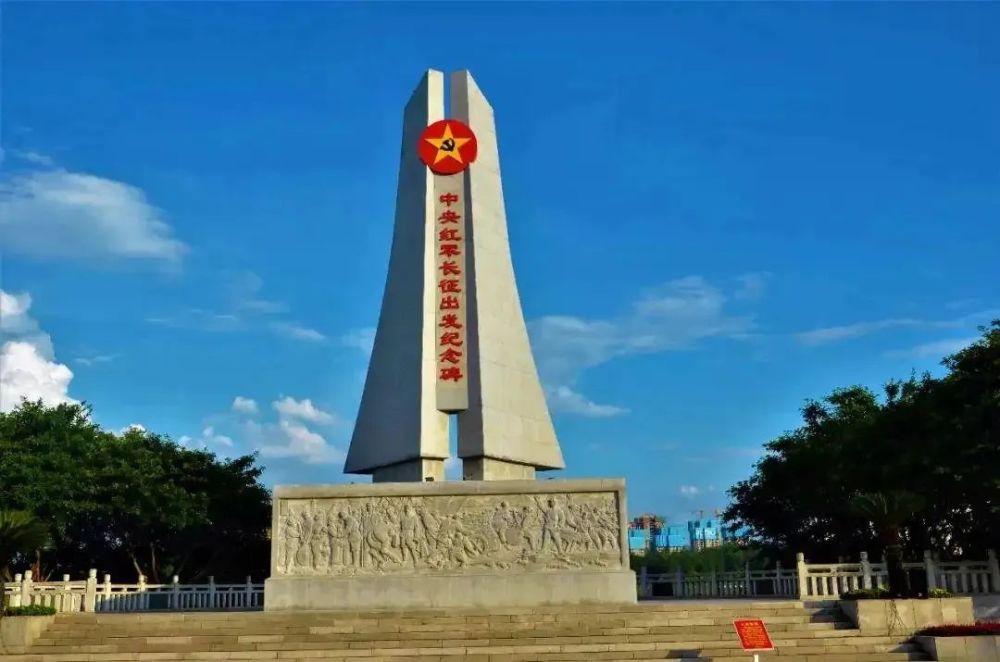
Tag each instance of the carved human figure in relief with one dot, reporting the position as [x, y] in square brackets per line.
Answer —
[608, 528]
[553, 522]
[377, 537]
[352, 537]
[320, 542]
[335, 539]
[501, 521]
[411, 536]
[292, 535]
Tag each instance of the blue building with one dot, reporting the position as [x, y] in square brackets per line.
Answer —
[649, 533]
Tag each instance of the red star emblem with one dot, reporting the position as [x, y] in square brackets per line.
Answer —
[447, 147]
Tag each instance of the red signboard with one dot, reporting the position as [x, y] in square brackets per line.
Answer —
[753, 634]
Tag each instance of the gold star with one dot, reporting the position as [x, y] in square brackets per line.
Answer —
[447, 145]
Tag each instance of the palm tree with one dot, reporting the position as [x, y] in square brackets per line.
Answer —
[888, 512]
[20, 534]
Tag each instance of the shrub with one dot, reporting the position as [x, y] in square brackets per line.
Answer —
[30, 610]
[866, 594]
[980, 629]
[939, 593]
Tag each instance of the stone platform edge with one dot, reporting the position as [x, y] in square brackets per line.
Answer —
[530, 589]
[451, 488]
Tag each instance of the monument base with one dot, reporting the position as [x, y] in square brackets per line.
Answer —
[450, 591]
[450, 544]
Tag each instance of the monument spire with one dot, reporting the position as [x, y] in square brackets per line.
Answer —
[451, 337]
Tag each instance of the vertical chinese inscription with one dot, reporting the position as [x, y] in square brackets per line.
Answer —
[450, 324]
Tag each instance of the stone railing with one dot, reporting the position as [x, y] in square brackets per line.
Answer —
[820, 581]
[829, 580]
[93, 596]
[744, 583]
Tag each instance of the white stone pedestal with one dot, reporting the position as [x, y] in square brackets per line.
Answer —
[449, 544]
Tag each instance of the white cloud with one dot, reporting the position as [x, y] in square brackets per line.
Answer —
[208, 439]
[826, 335]
[243, 290]
[294, 440]
[201, 320]
[832, 334]
[81, 217]
[670, 317]
[674, 316]
[17, 324]
[34, 158]
[935, 349]
[752, 286]
[565, 399]
[26, 373]
[28, 368]
[89, 361]
[453, 468]
[297, 332]
[133, 427]
[305, 410]
[689, 491]
[360, 339]
[245, 405]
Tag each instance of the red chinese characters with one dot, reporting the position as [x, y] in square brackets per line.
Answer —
[450, 235]
[753, 634]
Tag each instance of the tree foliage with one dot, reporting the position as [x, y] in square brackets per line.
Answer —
[725, 558]
[131, 503]
[935, 438]
[21, 535]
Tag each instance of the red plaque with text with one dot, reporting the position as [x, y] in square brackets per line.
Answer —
[753, 634]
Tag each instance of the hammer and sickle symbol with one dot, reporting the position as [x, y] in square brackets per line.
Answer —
[448, 145]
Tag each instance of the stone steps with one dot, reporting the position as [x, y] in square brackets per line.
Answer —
[264, 642]
[443, 632]
[496, 654]
[693, 631]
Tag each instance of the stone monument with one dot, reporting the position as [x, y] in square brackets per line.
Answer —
[451, 341]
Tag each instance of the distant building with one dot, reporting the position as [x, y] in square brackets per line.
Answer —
[648, 533]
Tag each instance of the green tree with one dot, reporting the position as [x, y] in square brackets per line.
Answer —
[21, 535]
[888, 513]
[135, 503]
[725, 558]
[936, 438]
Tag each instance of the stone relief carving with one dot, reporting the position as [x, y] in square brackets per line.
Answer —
[399, 535]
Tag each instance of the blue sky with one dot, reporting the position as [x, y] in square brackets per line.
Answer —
[716, 211]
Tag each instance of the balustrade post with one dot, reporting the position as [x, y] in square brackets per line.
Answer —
[67, 598]
[776, 585]
[643, 582]
[802, 575]
[106, 604]
[175, 593]
[141, 593]
[749, 583]
[991, 560]
[678, 583]
[15, 597]
[211, 592]
[930, 571]
[713, 588]
[90, 592]
[26, 589]
[248, 600]
[866, 571]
